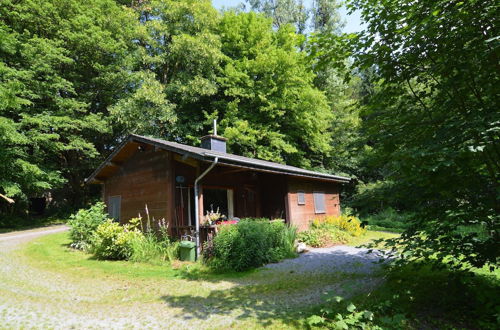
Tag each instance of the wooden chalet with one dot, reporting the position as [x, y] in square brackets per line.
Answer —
[167, 176]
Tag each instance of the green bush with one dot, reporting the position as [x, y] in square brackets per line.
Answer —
[250, 243]
[84, 223]
[332, 230]
[389, 220]
[153, 248]
[324, 235]
[111, 241]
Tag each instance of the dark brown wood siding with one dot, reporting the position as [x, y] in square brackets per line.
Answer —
[302, 215]
[145, 178]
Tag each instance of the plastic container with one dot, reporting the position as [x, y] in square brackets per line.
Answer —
[187, 251]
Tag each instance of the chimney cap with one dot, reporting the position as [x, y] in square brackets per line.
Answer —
[217, 137]
[214, 142]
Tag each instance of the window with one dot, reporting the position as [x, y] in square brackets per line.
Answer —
[319, 202]
[218, 199]
[114, 207]
[301, 197]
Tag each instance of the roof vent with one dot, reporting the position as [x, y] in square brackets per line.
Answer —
[214, 142]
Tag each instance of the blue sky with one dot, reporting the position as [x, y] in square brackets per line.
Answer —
[353, 22]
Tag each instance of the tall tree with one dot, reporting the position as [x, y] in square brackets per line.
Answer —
[434, 122]
[326, 16]
[283, 12]
[178, 63]
[61, 64]
[269, 107]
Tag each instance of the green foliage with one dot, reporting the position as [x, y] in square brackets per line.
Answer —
[389, 220]
[283, 12]
[84, 224]
[76, 77]
[176, 69]
[270, 108]
[331, 230]
[249, 244]
[61, 64]
[112, 241]
[154, 249]
[433, 123]
[350, 318]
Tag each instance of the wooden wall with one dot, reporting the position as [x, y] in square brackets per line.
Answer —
[142, 179]
[302, 215]
[148, 177]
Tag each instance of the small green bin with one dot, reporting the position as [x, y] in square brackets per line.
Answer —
[187, 250]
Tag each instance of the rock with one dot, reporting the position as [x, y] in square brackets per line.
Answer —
[301, 247]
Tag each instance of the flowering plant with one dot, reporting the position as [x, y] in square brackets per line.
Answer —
[211, 217]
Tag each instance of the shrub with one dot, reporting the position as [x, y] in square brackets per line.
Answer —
[84, 223]
[153, 249]
[250, 243]
[114, 242]
[331, 230]
[348, 223]
[323, 235]
[389, 220]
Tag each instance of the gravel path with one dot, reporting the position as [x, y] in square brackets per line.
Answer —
[33, 233]
[339, 258]
[31, 297]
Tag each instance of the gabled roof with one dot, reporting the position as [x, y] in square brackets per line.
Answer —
[209, 156]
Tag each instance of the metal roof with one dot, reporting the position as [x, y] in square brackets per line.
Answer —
[224, 159]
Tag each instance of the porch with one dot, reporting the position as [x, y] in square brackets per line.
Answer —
[227, 192]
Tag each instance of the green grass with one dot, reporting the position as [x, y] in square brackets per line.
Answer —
[370, 236]
[258, 298]
[408, 297]
[53, 252]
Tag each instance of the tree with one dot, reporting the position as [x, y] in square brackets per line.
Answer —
[268, 105]
[61, 65]
[326, 16]
[434, 122]
[283, 12]
[176, 70]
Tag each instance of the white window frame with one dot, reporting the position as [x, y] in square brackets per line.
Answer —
[319, 194]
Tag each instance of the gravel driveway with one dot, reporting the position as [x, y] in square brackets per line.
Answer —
[19, 236]
[32, 297]
[339, 258]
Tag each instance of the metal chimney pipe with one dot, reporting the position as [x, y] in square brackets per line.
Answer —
[215, 127]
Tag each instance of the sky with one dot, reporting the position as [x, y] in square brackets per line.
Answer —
[353, 22]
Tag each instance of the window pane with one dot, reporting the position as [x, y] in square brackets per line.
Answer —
[114, 206]
[319, 202]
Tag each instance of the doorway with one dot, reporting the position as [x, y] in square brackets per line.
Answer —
[218, 200]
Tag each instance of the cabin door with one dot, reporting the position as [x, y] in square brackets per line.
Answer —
[249, 202]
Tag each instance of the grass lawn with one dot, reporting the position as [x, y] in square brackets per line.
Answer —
[370, 236]
[53, 252]
[56, 277]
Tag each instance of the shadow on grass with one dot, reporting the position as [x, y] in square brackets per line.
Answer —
[286, 299]
[324, 260]
[283, 292]
[431, 298]
[241, 303]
